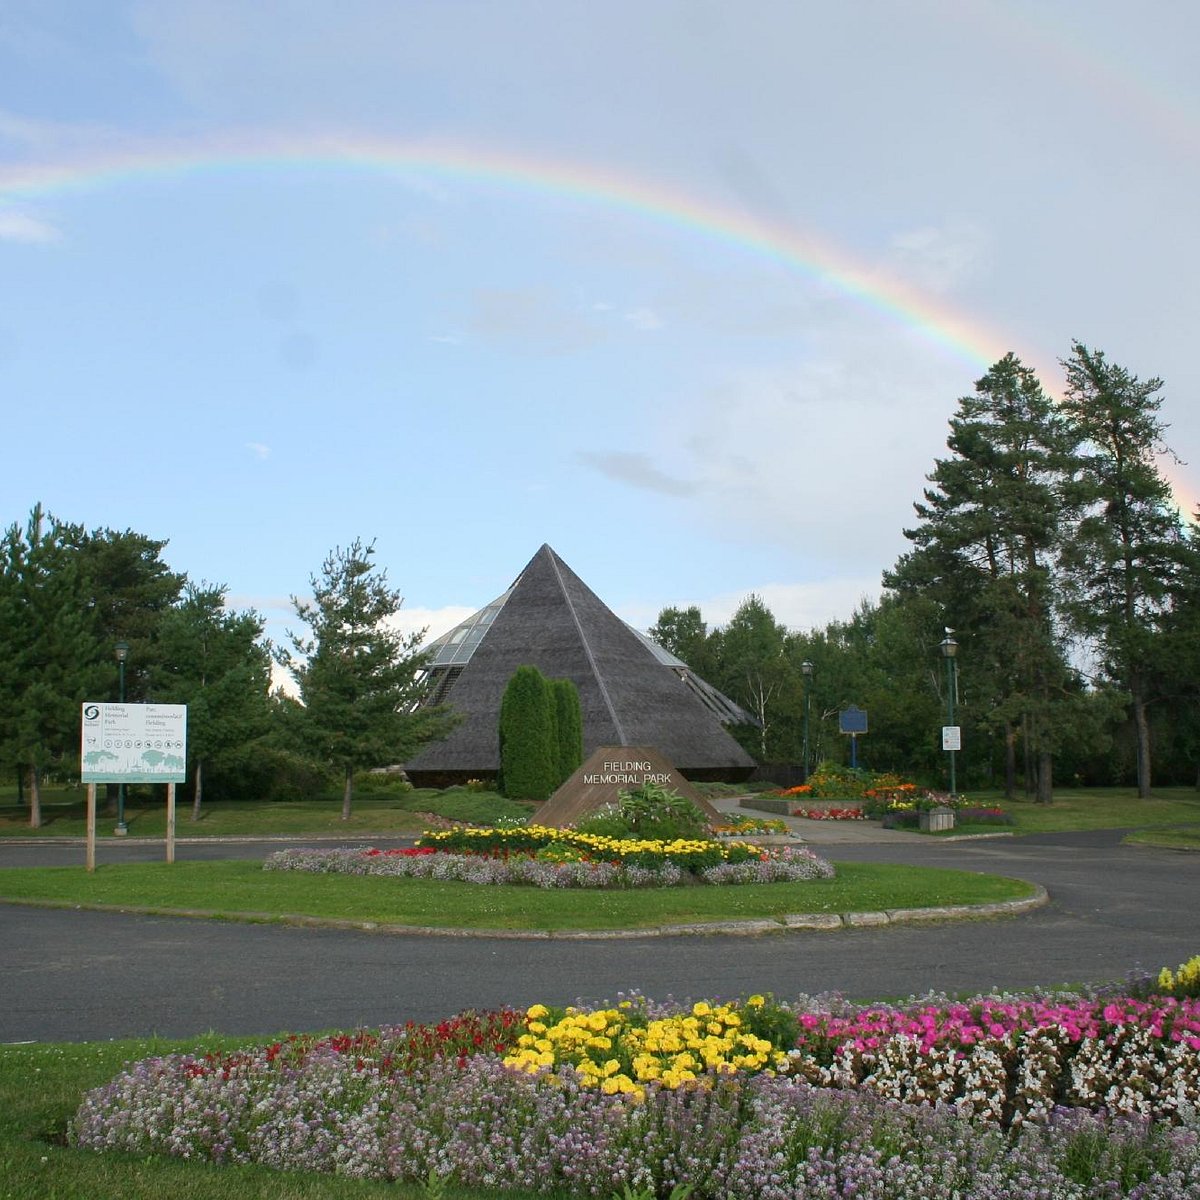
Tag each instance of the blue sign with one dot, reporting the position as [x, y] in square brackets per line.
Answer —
[852, 720]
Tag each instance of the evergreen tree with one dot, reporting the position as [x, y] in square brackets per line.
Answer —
[568, 726]
[1177, 662]
[989, 533]
[529, 749]
[358, 678]
[50, 657]
[132, 588]
[1123, 559]
[215, 662]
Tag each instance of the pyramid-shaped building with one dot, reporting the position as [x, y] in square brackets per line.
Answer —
[631, 690]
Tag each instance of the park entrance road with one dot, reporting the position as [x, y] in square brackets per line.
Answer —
[78, 976]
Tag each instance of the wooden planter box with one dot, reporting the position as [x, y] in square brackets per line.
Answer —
[935, 820]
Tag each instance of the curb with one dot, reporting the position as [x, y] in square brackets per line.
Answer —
[748, 928]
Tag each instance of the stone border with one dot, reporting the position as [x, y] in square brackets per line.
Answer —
[748, 928]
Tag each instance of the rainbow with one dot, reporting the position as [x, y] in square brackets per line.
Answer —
[815, 258]
[583, 183]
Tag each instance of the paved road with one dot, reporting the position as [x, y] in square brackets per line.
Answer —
[75, 976]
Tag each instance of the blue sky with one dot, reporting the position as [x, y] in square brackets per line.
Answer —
[266, 349]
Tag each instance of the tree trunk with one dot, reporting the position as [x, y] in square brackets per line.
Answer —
[346, 793]
[197, 790]
[1027, 753]
[1045, 777]
[1142, 729]
[35, 800]
[1010, 760]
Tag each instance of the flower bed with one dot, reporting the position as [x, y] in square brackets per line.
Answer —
[750, 826]
[833, 812]
[786, 864]
[591, 1102]
[689, 854]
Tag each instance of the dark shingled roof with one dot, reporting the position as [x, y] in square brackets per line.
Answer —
[630, 695]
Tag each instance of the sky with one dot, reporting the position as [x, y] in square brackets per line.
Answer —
[688, 290]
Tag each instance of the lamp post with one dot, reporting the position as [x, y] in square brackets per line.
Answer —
[806, 669]
[949, 649]
[122, 652]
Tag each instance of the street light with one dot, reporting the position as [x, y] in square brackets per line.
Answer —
[949, 649]
[806, 669]
[122, 652]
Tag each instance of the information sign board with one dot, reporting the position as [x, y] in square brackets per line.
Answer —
[852, 720]
[134, 743]
[951, 737]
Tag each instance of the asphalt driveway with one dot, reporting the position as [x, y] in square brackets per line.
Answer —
[75, 975]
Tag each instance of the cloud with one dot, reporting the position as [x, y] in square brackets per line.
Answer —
[638, 470]
[940, 259]
[645, 319]
[21, 227]
[259, 450]
[532, 320]
[436, 620]
[823, 458]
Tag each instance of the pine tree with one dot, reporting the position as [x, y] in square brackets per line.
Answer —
[216, 663]
[358, 678]
[51, 659]
[1123, 558]
[990, 530]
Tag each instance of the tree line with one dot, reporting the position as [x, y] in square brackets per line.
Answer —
[1047, 541]
[70, 596]
[1048, 550]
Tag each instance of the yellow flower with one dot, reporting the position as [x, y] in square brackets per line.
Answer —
[537, 1011]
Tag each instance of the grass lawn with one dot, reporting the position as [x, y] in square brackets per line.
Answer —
[245, 888]
[1176, 837]
[1097, 808]
[64, 814]
[41, 1087]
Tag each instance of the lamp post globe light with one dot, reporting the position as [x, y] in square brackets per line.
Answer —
[949, 648]
[806, 669]
[121, 649]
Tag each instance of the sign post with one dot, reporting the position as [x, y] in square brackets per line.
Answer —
[853, 720]
[132, 743]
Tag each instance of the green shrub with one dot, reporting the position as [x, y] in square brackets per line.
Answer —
[605, 822]
[528, 737]
[655, 807]
[289, 777]
[381, 783]
[568, 727]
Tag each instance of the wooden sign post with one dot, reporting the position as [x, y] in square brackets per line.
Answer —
[132, 743]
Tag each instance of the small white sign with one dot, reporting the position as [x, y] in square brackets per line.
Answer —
[951, 737]
[134, 743]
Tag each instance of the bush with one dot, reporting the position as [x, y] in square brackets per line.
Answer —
[568, 727]
[528, 737]
[381, 783]
[289, 777]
